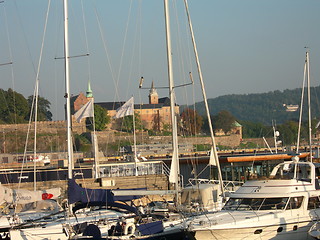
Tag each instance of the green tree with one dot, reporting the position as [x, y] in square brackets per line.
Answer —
[191, 121]
[101, 118]
[289, 132]
[224, 120]
[44, 113]
[128, 122]
[82, 143]
[255, 130]
[13, 107]
[262, 107]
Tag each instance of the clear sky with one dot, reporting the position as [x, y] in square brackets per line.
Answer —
[245, 46]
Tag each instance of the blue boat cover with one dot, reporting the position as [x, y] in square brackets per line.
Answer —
[86, 195]
[104, 197]
[151, 228]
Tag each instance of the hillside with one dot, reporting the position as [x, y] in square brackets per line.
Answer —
[263, 107]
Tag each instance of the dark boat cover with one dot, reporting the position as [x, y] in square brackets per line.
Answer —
[96, 197]
[151, 228]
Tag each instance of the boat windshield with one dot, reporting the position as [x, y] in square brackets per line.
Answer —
[286, 171]
[245, 204]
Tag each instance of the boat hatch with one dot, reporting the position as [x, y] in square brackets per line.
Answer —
[249, 204]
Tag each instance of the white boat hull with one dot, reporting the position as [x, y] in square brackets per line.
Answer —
[36, 234]
[268, 232]
[55, 230]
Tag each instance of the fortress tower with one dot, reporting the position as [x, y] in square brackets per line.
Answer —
[153, 95]
[89, 94]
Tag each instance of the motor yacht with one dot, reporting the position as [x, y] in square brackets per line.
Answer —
[282, 206]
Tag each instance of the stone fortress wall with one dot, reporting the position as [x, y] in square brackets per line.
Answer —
[44, 127]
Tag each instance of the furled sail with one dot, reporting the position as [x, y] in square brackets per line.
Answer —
[23, 196]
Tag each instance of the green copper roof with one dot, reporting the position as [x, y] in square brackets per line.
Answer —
[89, 91]
[236, 124]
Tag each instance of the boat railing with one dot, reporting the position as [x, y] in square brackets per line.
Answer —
[227, 185]
[234, 219]
[130, 169]
[232, 185]
[165, 169]
[255, 212]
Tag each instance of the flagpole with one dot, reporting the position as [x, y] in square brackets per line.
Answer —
[85, 111]
[95, 145]
[134, 140]
[125, 110]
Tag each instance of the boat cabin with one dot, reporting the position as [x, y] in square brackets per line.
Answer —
[256, 196]
[279, 203]
[303, 171]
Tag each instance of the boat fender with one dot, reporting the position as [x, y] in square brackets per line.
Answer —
[130, 228]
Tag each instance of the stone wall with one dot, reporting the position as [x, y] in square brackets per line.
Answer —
[52, 134]
[142, 138]
[44, 127]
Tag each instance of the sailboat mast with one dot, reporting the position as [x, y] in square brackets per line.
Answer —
[175, 171]
[35, 136]
[213, 142]
[67, 95]
[309, 105]
[134, 141]
[301, 104]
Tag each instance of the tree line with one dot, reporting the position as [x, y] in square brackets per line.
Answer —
[263, 107]
[15, 108]
[193, 124]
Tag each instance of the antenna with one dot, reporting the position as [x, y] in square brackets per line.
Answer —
[141, 82]
[191, 77]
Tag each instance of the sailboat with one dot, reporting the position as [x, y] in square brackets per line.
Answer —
[282, 206]
[56, 228]
[22, 205]
[146, 230]
[79, 226]
[145, 227]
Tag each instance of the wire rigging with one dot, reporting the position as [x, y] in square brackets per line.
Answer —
[107, 53]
